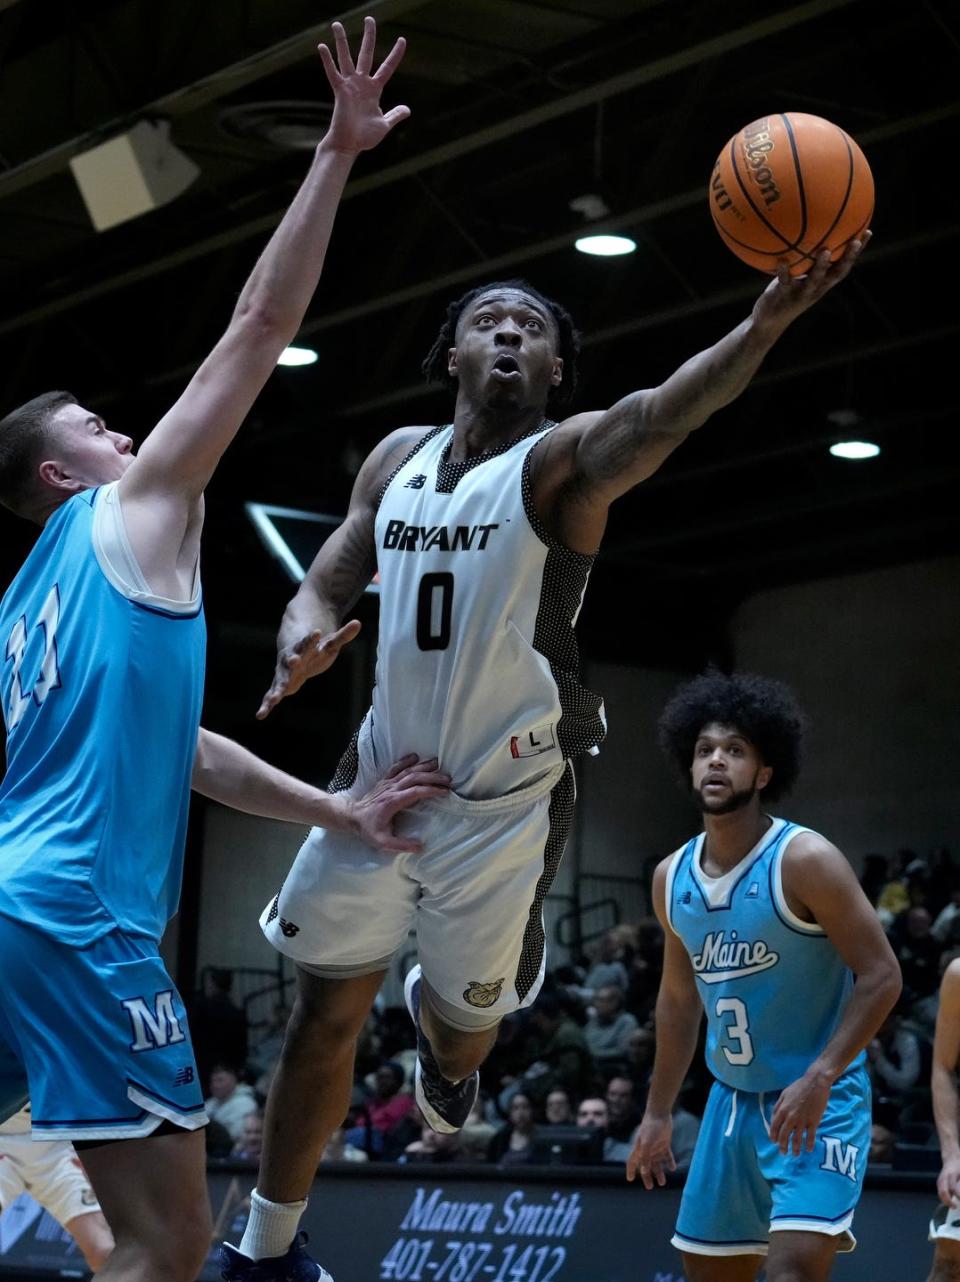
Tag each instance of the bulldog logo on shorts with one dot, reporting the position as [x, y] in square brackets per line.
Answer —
[483, 995]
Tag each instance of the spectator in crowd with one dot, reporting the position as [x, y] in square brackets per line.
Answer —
[507, 1060]
[943, 879]
[339, 1148]
[218, 1027]
[623, 1118]
[592, 1112]
[477, 1132]
[369, 1054]
[609, 1028]
[403, 1133]
[263, 1058]
[359, 1129]
[607, 968]
[894, 1056]
[683, 1137]
[217, 1141]
[513, 1144]
[433, 1147]
[592, 1116]
[893, 898]
[946, 927]
[918, 952]
[250, 1143]
[641, 1046]
[389, 1103]
[646, 966]
[558, 1109]
[923, 1013]
[874, 876]
[882, 1141]
[559, 1052]
[230, 1099]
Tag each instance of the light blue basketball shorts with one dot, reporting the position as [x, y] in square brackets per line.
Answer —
[96, 1037]
[741, 1188]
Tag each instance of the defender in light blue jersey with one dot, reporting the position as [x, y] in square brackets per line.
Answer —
[769, 934]
[101, 678]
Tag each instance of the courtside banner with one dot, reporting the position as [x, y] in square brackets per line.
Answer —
[479, 1224]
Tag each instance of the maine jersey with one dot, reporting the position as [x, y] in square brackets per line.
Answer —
[478, 663]
[101, 702]
[773, 986]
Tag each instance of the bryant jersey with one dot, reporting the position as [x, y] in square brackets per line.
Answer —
[101, 701]
[773, 986]
[478, 664]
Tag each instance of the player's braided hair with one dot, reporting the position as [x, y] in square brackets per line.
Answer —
[762, 710]
[568, 339]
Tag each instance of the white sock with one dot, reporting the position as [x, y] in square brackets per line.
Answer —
[271, 1228]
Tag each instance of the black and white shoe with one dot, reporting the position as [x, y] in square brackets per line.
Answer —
[445, 1105]
[295, 1266]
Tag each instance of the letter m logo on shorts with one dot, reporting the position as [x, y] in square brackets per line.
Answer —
[153, 1026]
[840, 1157]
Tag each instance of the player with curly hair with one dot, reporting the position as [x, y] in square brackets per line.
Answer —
[767, 931]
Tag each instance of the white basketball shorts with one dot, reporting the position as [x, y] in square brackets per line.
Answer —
[474, 895]
[50, 1171]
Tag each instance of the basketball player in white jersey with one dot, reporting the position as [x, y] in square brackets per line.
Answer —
[766, 929]
[945, 1226]
[484, 533]
[54, 1177]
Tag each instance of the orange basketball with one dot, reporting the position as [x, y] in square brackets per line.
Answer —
[787, 187]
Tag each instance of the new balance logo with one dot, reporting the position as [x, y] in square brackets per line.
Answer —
[840, 1157]
[416, 482]
[288, 928]
[156, 1026]
[184, 1076]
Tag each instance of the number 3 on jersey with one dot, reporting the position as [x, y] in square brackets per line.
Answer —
[738, 1030]
[49, 676]
[434, 606]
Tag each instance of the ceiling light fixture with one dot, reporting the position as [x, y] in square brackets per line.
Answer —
[605, 246]
[293, 356]
[854, 449]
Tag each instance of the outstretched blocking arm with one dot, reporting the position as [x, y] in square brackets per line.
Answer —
[610, 452]
[821, 886]
[943, 1084]
[179, 456]
[678, 1016]
[226, 772]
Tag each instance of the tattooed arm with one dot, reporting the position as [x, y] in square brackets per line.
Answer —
[311, 636]
[595, 458]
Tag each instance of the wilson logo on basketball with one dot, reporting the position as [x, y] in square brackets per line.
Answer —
[483, 995]
[719, 192]
[757, 145]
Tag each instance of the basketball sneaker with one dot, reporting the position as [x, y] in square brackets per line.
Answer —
[445, 1105]
[295, 1266]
